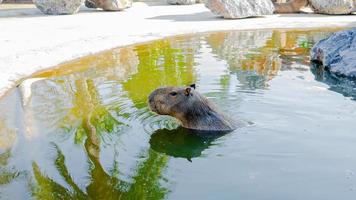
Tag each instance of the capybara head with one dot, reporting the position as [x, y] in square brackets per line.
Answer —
[172, 101]
[191, 108]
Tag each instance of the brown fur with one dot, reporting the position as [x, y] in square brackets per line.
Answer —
[192, 109]
[293, 6]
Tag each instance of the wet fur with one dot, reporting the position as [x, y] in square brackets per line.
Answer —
[193, 110]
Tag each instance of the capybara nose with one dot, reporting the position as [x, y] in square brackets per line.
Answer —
[151, 101]
[151, 97]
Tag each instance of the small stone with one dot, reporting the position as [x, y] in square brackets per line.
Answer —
[58, 7]
[332, 7]
[90, 4]
[241, 8]
[109, 5]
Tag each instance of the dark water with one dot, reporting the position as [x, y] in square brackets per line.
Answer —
[83, 130]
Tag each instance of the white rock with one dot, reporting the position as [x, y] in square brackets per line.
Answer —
[240, 8]
[332, 6]
[181, 2]
[337, 53]
[58, 7]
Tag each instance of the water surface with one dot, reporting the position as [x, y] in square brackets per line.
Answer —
[83, 130]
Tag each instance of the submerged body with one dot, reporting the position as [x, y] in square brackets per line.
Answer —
[191, 108]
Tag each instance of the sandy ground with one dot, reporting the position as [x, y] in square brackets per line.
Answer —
[31, 41]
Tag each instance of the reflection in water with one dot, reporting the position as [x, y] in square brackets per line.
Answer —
[116, 64]
[7, 140]
[102, 185]
[93, 111]
[65, 102]
[8, 173]
[7, 135]
[182, 142]
[247, 55]
[342, 85]
[88, 119]
[160, 63]
[255, 57]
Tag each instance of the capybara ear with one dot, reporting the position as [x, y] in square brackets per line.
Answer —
[187, 91]
[193, 86]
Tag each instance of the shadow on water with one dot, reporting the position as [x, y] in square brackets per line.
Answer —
[182, 142]
[339, 84]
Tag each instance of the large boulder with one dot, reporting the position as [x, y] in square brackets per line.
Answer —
[181, 2]
[337, 53]
[332, 7]
[59, 7]
[109, 5]
[240, 8]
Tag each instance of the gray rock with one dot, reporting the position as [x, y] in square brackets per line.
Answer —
[337, 53]
[59, 7]
[109, 5]
[240, 8]
[332, 7]
[181, 2]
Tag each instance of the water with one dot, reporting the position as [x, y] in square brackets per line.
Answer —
[83, 130]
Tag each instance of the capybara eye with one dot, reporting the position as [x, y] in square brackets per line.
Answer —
[173, 93]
